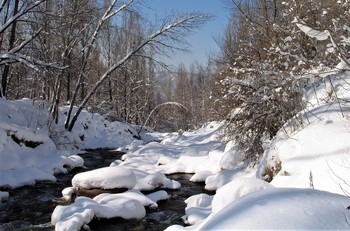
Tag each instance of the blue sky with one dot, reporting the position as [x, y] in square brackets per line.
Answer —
[202, 41]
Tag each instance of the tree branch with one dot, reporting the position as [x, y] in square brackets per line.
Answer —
[184, 23]
[18, 15]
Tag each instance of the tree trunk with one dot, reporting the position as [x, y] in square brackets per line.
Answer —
[12, 38]
[185, 23]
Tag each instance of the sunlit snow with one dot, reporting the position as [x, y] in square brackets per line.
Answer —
[309, 189]
[105, 178]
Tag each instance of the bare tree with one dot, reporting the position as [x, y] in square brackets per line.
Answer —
[86, 52]
[10, 52]
[168, 36]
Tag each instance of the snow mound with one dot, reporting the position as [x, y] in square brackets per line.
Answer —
[198, 207]
[276, 209]
[314, 153]
[27, 154]
[234, 190]
[127, 205]
[148, 177]
[158, 196]
[107, 198]
[105, 178]
[84, 209]
[93, 131]
[214, 182]
[156, 180]
[33, 147]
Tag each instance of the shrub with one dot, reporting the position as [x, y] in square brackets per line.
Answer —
[267, 100]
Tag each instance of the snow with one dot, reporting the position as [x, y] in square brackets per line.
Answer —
[4, 196]
[105, 178]
[27, 154]
[319, 35]
[128, 205]
[288, 208]
[84, 209]
[318, 153]
[154, 180]
[327, 157]
[309, 162]
[91, 127]
[312, 155]
[236, 189]
[198, 207]
[106, 198]
[143, 168]
[34, 148]
[158, 195]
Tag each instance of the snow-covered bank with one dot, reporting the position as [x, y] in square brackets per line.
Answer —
[289, 209]
[312, 147]
[34, 148]
[315, 153]
[27, 153]
[308, 166]
[143, 168]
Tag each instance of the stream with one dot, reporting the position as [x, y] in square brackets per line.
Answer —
[30, 207]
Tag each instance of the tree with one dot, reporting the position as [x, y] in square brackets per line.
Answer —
[64, 25]
[83, 44]
[267, 52]
[167, 36]
[254, 88]
[192, 90]
[11, 51]
[131, 85]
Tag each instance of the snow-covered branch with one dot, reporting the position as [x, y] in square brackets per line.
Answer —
[29, 61]
[321, 36]
[15, 17]
[238, 82]
[187, 23]
[25, 42]
[108, 14]
[111, 13]
[312, 33]
[2, 4]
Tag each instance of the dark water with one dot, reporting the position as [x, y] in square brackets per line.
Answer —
[30, 207]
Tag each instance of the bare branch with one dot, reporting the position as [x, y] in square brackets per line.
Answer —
[18, 15]
[110, 14]
[188, 23]
[2, 4]
[27, 60]
[25, 42]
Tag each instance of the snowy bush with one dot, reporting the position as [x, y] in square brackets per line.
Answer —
[266, 100]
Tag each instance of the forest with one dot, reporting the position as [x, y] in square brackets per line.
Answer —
[89, 104]
[104, 56]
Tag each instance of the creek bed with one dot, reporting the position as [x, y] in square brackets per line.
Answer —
[30, 207]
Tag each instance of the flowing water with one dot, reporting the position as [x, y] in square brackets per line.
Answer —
[30, 207]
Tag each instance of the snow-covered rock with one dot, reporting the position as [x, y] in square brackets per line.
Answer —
[198, 207]
[84, 209]
[105, 178]
[107, 198]
[236, 189]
